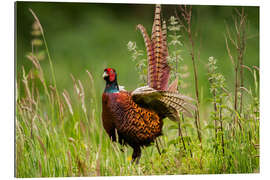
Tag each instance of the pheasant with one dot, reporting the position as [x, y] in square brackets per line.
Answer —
[136, 118]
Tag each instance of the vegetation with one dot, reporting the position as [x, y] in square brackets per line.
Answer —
[59, 130]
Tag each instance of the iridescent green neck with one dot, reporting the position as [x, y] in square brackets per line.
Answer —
[111, 87]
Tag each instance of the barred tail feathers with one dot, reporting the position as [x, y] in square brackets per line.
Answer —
[164, 38]
[150, 56]
[157, 53]
[160, 51]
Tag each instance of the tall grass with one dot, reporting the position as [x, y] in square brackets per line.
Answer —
[60, 133]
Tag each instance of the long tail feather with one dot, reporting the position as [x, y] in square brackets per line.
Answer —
[157, 53]
[150, 56]
[173, 86]
[160, 51]
[157, 44]
[166, 72]
[164, 36]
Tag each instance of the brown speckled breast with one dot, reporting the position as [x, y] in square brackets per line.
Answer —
[135, 125]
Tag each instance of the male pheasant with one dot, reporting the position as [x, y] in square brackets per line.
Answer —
[137, 116]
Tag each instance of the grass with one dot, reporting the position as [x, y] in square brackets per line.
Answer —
[59, 133]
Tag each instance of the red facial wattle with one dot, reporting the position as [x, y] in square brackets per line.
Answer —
[111, 74]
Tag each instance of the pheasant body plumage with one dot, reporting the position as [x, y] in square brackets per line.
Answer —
[136, 117]
[135, 125]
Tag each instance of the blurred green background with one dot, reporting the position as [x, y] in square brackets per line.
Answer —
[93, 36]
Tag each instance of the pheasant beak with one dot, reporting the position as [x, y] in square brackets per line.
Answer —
[105, 74]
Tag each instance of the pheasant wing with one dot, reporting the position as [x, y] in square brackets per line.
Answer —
[163, 102]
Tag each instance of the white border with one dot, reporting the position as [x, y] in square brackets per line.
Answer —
[7, 90]
[7, 87]
[191, 2]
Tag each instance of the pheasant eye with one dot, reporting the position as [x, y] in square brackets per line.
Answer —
[110, 70]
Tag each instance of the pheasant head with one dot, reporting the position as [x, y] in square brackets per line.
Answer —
[110, 77]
